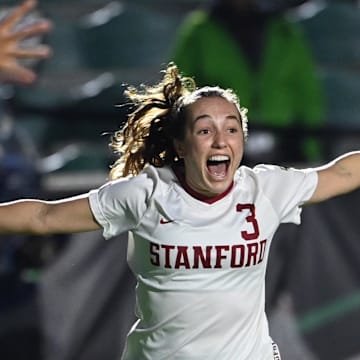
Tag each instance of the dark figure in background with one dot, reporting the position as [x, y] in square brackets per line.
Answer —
[17, 60]
[21, 48]
[18, 172]
[253, 48]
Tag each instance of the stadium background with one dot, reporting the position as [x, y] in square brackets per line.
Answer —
[71, 297]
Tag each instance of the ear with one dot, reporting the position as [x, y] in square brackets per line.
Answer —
[179, 148]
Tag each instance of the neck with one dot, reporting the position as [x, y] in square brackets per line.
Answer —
[180, 174]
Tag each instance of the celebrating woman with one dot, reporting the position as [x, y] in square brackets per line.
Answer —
[200, 224]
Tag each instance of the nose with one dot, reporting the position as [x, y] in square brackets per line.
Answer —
[219, 140]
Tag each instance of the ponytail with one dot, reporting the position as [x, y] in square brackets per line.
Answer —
[147, 137]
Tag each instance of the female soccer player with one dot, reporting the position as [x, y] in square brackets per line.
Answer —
[200, 223]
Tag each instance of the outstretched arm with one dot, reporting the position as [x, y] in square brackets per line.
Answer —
[47, 217]
[338, 177]
[10, 44]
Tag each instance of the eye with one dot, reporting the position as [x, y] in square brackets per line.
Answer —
[203, 131]
[233, 130]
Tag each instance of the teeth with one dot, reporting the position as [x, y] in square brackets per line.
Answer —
[219, 158]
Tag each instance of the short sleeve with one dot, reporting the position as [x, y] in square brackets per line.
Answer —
[287, 189]
[118, 206]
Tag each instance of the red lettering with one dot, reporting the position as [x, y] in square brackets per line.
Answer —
[262, 250]
[252, 252]
[250, 219]
[206, 257]
[182, 258]
[155, 259]
[219, 256]
[167, 255]
[199, 255]
[237, 253]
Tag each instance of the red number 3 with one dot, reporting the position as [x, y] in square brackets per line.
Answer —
[250, 219]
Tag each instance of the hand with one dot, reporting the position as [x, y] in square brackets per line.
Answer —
[11, 51]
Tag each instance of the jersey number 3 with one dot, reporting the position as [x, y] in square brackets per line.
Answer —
[250, 219]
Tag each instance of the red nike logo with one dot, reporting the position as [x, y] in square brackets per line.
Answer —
[163, 221]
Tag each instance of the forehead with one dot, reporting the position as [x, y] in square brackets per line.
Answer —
[214, 105]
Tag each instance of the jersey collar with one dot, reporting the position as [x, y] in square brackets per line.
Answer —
[207, 199]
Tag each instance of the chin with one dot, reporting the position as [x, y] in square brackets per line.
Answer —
[219, 188]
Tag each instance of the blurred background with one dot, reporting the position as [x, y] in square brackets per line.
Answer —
[72, 297]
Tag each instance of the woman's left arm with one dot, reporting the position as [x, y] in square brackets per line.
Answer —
[338, 177]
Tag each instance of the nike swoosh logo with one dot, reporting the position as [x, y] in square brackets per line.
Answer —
[163, 221]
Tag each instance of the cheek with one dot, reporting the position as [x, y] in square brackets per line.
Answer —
[239, 143]
[194, 155]
[238, 149]
[192, 146]
[180, 148]
[198, 151]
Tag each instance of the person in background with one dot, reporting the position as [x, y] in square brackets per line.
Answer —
[21, 48]
[200, 222]
[251, 47]
[11, 51]
[18, 171]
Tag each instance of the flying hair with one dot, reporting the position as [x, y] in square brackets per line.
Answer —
[159, 117]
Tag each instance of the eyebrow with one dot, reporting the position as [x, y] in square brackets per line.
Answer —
[228, 117]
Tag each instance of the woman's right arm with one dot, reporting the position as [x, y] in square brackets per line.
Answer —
[69, 215]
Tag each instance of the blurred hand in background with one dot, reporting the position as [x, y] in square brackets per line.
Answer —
[16, 28]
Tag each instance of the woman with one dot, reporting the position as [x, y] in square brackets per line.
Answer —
[200, 224]
[251, 47]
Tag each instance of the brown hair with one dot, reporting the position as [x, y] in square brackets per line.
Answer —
[159, 118]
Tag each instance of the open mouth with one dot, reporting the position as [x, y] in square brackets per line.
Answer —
[218, 165]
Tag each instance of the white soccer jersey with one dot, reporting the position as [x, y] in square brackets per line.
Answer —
[200, 266]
